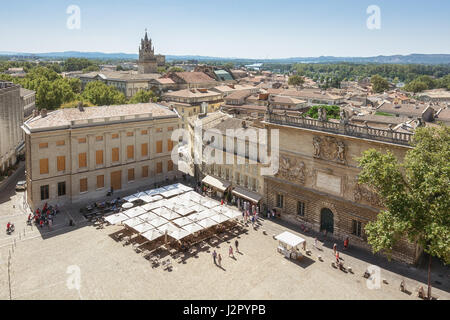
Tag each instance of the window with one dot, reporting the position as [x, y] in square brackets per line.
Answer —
[131, 174]
[159, 167]
[280, 200]
[61, 189]
[44, 192]
[82, 140]
[159, 130]
[170, 129]
[169, 145]
[61, 163]
[159, 146]
[99, 157]
[115, 154]
[144, 149]
[100, 181]
[144, 132]
[60, 143]
[130, 134]
[356, 228]
[130, 152]
[82, 160]
[170, 165]
[43, 145]
[43, 166]
[144, 171]
[301, 208]
[99, 138]
[115, 136]
[83, 185]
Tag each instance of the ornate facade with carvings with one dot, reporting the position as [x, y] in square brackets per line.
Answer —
[316, 184]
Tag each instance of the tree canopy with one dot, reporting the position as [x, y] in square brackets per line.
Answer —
[415, 193]
[379, 84]
[332, 111]
[296, 80]
[143, 96]
[100, 94]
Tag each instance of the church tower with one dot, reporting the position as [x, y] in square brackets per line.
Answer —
[147, 60]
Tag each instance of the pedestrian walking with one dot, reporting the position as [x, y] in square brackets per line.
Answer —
[230, 252]
[219, 259]
[315, 243]
[304, 245]
[214, 254]
[346, 243]
[337, 258]
[334, 248]
[253, 221]
[236, 244]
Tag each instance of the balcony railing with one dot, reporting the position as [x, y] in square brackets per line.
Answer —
[365, 132]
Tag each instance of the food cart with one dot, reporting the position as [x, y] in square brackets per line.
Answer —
[288, 245]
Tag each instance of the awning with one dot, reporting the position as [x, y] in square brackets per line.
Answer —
[247, 194]
[290, 239]
[217, 183]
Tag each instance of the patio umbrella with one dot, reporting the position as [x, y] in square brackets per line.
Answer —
[206, 223]
[143, 227]
[193, 227]
[182, 221]
[148, 216]
[179, 234]
[168, 227]
[152, 234]
[132, 222]
[117, 218]
[219, 218]
[158, 222]
[127, 205]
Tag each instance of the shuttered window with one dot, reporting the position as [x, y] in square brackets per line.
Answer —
[170, 165]
[82, 160]
[159, 146]
[82, 140]
[144, 149]
[144, 171]
[130, 152]
[159, 167]
[100, 181]
[61, 163]
[83, 185]
[60, 143]
[169, 145]
[115, 154]
[43, 166]
[43, 145]
[130, 174]
[115, 136]
[99, 157]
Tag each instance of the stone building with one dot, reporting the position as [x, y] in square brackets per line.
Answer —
[79, 154]
[11, 118]
[148, 61]
[28, 98]
[316, 184]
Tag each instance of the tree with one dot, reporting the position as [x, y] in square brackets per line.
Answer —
[379, 84]
[144, 96]
[296, 80]
[332, 111]
[100, 94]
[415, 193]
[416, 86]
[176, 69]
[75, 84]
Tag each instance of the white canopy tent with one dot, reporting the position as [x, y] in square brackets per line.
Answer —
[158, 222]
[169, 227]
[132, 222]
[134, 212]
[131, 198]
[152, 234]
[143, 227]
[148, 216]
[179, 234]
[232, 214]
[290, 239]
[151, 206]
[182, 221]
[192, 227]
[219, 218]
[206, 223]
[117, 218]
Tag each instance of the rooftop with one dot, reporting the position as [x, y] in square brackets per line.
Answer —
[70, 117]
[120, 75]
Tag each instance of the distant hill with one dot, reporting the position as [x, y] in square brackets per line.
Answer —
[398, 59]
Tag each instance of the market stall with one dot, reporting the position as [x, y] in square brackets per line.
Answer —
[288, 245]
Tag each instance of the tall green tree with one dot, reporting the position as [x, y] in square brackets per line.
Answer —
[100, 94]
[379, 84]
[144, 96]
[296, 80]
[415, 193]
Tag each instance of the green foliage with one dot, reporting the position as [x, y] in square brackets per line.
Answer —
[91, 69]
[161, 70]
[144, 96]
[76, 64]
[296, 80]
[100, 94]
[381, 113]
[332, 111]
[74, 103]
[415, 193]
[379, 84]
[416, 86]
[176, 69]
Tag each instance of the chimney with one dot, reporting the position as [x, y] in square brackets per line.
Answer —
[80, 106]
[43, 113]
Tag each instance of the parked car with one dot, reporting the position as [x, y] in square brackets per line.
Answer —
[21, 186]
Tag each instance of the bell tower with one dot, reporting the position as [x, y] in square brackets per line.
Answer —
[147, 61]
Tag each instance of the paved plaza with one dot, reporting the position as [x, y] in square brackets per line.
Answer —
[53, 264]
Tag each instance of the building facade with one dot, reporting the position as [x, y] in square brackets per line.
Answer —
[76, 155]
[316, 184]
[11, 118]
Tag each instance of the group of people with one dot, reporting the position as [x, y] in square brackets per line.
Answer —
[250, 212]
[336, 252]
[217, 258]
[44, 216]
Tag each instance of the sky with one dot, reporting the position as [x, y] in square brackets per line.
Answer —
[229, 28]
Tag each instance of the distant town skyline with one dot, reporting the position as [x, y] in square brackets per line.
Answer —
[241, 29]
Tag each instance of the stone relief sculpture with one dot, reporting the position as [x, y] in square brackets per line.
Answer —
[322, 114]
[363, 193]
[329, 148]
[292, 170]
[343, 116]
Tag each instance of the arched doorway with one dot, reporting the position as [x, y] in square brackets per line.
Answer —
[326, 220]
